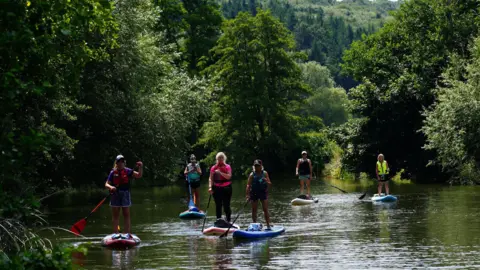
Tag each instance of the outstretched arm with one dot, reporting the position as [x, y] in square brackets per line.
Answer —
[140, 170]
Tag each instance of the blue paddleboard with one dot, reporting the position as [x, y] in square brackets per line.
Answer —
[383, 198]
[192, 214]
[243, 234]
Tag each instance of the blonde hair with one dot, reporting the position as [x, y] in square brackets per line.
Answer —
[221, 154]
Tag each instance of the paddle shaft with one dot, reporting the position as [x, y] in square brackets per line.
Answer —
[98, 205]
[206, 212]
[231, 224]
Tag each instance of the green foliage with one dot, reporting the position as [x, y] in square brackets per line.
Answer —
[194, 26]
[59, 258]
[452, 124]
[148, 104]
[328, 103]
[400, 67]
[204, 20]
[256, 83]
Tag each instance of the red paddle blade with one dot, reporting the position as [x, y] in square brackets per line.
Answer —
[78, 227]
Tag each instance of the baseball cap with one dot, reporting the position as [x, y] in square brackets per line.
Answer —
[119, 157]
[257, 162]
[304, 152]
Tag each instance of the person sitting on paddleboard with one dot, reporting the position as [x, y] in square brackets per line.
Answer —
[220, 185]
[304, 172]
[257, 189]
[382, 171]
[193, 173]
[118, 183]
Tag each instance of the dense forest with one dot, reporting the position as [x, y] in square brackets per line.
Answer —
[156, 80]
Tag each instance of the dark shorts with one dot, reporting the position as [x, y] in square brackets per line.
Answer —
[121, 198]
[261, 195]
[383, 178]
[192, 184]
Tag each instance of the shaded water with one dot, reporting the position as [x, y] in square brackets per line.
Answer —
[429, 227]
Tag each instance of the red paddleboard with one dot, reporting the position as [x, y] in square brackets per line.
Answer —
[219, 231]
[120, 243]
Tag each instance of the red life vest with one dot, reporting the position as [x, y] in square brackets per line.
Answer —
[120, 177]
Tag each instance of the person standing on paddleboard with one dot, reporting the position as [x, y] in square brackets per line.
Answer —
[118, 183]
[220, 185]
[257, 189]
[193, 173]
[304, 172]
[382, 171]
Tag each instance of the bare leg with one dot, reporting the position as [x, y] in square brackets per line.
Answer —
[301, 187]
[265, 212]
[115, 216]
[386, 188]
[254, 211]
[126, 219]
[379, 188]
[308, 188]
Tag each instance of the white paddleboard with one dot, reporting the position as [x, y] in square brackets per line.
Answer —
[298, 201]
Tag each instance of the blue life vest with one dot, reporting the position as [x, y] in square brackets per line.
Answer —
[259, 183]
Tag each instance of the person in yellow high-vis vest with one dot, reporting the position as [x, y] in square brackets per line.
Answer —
[382, 170]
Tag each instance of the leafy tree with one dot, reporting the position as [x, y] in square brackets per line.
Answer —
[452, 124]
[326, 102]
[203, 20]
[400, 66]
[256, 83]
[148, 104]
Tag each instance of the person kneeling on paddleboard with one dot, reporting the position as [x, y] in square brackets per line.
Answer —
[382, 171]
[118, 183]
[220, 185]
[193, 173]
[257, 189]
[304, 172]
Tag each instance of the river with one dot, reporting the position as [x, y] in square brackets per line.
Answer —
[431, 226]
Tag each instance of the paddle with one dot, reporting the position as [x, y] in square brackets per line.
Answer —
[205, 218]
[231, 224]
[338, 188]
[78, 227]
[191, 205]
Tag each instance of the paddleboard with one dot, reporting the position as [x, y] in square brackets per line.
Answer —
[219, 231]
[383, 198]
[243, 234]
[299, 201]
[121, 243]
[192, 214]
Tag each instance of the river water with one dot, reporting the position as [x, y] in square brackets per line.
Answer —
[429, 227]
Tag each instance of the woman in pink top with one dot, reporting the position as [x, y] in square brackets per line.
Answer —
[220, 185]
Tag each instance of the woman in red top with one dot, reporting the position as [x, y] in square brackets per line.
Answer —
[220, 185]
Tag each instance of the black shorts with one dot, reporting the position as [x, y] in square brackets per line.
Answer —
[194, 185]
[259, 195]
[383, 179]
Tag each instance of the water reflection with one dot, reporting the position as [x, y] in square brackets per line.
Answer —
[121, 259]
[258, 250]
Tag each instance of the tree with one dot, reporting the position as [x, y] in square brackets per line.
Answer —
[203, 20]
[400, 66]
[326, 102]
[256, 83]
[452, 125]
